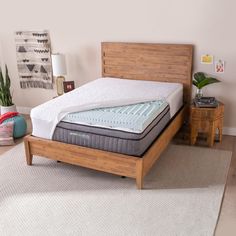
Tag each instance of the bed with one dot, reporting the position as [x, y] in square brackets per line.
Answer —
[133, 61]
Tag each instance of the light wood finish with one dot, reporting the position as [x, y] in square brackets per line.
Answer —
[154, 62]
[28, 153]
[114, 163]
[206, 120]
[139, 175]
[158, 62]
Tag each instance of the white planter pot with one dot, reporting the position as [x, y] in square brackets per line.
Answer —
[8, 109]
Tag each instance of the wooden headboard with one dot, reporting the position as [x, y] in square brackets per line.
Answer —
[144, 61]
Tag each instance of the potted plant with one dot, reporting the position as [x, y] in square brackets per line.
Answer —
[201, 80]
[5, 93]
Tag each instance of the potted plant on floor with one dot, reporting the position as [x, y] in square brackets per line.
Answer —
[201, 80]
[5, 93]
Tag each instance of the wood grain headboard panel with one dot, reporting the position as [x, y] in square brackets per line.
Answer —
[144, 61]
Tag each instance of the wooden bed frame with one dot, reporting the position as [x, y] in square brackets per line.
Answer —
[139, 61]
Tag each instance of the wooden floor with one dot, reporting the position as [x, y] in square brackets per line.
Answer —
[227, 220]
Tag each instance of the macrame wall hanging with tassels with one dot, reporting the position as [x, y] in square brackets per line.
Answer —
[34, 59]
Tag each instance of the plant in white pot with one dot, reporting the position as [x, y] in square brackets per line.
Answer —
[5, 93]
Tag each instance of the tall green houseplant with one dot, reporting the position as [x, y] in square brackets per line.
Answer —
[201, 80]
[5, 93]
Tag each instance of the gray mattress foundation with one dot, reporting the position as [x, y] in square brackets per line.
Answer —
[112, 140]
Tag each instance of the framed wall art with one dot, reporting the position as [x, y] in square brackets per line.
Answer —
[219, 66]
[207, 59]
[68, 86]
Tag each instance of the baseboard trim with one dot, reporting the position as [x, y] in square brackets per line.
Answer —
[24, 110]
[229, 131]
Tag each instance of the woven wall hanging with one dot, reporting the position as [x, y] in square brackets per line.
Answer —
[34, 59]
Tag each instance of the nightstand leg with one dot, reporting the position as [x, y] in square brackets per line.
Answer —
[220, 134]
[219, 126]
[211, 136]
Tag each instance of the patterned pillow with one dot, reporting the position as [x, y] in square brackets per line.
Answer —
[6, 134]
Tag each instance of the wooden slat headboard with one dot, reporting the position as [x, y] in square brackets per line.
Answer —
[144, 61]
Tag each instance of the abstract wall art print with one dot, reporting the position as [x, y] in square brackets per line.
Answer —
[219, 66]
[33, 52]
[207, 59]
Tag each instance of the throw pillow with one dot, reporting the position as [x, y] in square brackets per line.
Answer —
[6, 134]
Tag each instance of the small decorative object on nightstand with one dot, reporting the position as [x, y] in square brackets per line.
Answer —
[68, 86]
[206, 120]
[59, 70]
[200, 80]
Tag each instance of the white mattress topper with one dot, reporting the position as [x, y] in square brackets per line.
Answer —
[100, 93]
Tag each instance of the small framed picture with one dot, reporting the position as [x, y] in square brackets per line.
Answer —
[68, 86]
[219, 66]
[207, 59]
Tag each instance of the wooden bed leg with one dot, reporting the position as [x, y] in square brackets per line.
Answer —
[139, 174]
[29, 156]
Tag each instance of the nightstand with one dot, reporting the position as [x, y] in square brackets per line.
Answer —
[206, 120]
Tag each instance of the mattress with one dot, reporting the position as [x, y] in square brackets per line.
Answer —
[112, 140]
[128, 129]
[101, 93]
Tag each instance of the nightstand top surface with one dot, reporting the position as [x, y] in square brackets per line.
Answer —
[193, 107]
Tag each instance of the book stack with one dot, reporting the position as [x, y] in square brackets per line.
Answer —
[206, 102]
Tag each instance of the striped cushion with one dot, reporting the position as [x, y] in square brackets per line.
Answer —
[6, 134]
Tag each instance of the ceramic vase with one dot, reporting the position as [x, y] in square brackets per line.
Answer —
[8, 109]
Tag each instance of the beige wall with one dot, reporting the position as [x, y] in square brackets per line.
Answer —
[77, 27]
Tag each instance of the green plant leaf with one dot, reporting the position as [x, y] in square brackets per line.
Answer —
[8, 81]
[5, 93]
[200, 80]
[207, 81]
[199, 76]
[1, 79]
[195, 83]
